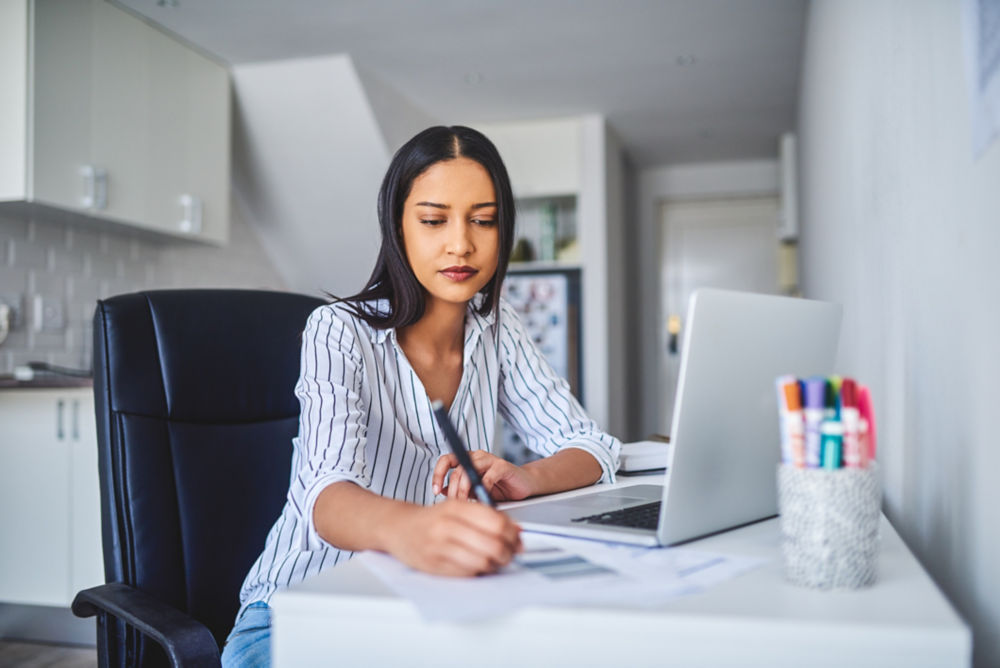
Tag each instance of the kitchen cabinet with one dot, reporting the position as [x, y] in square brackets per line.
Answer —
[49, 496]
[124, 123]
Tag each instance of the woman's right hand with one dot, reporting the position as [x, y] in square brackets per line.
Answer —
[455, 538]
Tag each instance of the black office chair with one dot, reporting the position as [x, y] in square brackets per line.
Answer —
[195, 416]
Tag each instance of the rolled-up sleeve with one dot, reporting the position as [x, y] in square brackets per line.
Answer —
[538, 404]
[332, 429]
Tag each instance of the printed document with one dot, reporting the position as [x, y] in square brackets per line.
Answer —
[563, 571]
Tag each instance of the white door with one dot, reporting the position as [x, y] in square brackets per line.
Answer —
[719, 243]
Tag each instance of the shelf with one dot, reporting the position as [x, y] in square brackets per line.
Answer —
[546, 231]
[540, 265]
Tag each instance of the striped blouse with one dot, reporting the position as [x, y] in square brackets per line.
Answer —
[366, 418]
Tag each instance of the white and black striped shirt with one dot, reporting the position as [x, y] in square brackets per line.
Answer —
[366, 418]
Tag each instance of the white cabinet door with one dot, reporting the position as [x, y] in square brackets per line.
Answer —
[61, 108]
[50, 516]
[206, 142]
[34, 498]
[86, 562]
[120, 108]
[188, 177]
[120, 121]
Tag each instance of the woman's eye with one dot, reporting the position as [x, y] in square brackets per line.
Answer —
[485, 222]
[432, 221]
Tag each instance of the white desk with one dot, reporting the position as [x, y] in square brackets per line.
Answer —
[347, 617]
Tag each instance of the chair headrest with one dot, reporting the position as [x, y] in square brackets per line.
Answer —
[180, 353]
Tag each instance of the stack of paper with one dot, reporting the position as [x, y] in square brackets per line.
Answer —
[553, 570]
[644, 456]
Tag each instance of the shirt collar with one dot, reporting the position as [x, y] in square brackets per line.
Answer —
[475, 324]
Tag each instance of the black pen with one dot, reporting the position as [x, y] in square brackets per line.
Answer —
[463, 455]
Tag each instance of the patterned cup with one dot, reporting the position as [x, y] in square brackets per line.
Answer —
[830, 525]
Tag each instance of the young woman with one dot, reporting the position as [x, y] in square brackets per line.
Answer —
[370, 468]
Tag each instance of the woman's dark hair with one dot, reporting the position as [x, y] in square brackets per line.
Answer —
[393, 279]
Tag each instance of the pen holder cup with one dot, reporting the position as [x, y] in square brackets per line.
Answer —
[830, 525]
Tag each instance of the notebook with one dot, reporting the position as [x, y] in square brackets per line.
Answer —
[643, 456]
[725, 436]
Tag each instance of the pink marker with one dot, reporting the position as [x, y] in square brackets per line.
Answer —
[867, 420]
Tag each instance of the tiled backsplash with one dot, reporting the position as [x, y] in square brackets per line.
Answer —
[70, 267]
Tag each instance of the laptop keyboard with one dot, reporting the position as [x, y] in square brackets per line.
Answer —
[646, 516]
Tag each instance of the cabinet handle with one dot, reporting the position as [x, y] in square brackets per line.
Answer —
[60, 408]
[192, 208]
[75, 425]
[95, 187]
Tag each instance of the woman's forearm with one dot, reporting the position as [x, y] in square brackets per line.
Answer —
[448, 538]
[567, 469]
[353, 518]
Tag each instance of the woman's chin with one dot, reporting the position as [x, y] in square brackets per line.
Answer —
[458, 295]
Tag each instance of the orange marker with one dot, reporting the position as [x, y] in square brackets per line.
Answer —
[794, 426]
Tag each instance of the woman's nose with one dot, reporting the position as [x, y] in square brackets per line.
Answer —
[459, 242]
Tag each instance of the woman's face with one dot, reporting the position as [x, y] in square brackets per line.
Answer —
[450, 230]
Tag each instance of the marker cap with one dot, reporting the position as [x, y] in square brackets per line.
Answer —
[848, 393]
[793, 397]
[816, 392]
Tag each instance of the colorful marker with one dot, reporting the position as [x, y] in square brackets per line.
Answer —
[794, 425]
[815, 403]
[832, 433]
[830, 404]
[867, 421]
[786, 446]
[835, 382]
[850, 418]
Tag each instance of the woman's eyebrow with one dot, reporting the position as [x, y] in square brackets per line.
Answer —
[436, 205]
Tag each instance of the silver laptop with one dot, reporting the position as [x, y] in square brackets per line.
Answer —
[721, 472]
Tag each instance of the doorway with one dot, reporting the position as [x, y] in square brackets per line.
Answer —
[726, 243]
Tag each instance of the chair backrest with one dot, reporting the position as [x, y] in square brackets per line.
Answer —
[195, 413]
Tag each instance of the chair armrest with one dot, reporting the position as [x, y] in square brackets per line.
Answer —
[186, 641]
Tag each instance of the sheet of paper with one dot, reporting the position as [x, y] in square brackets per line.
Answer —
[562, 571]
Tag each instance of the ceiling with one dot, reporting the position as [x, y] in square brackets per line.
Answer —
[680, 81]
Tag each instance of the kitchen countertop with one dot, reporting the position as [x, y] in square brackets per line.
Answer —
[46, 382]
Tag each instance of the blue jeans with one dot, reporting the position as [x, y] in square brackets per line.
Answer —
[249, 643]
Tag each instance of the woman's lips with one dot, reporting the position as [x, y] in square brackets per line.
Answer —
[459, 273]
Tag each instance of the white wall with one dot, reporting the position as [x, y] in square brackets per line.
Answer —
[655, 186]
[900, 224]
[591, 220]
[542, 156]
[308, 159]
[618, 326]
[397, 117]
[581, 156]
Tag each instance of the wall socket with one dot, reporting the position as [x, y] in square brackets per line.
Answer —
[47, 315]
[15, 303]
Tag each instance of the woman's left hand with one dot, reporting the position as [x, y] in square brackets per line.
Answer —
[504, 481]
